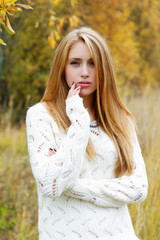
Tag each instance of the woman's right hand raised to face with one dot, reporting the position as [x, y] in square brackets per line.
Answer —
[73, 90]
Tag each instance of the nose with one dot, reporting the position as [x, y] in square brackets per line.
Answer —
[84, 72]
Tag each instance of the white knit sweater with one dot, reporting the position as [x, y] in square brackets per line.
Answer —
[80, 198]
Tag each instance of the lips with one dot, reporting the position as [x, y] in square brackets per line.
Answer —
[84, 83]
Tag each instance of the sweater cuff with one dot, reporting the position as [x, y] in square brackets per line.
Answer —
[74, 102]
[76, 111]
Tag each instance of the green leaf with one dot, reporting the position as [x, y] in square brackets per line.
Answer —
[8, 26]
[24, 6]
[10, 14]
[15, 9]
[2, 22]
[2, 42]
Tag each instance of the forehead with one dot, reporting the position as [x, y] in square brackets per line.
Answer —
[79, 50]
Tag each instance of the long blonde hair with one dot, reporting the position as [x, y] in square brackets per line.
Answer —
[111, 113]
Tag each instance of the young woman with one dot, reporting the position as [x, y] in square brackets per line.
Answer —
[83, 148]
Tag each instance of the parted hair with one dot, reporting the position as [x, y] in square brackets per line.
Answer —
[111, 114]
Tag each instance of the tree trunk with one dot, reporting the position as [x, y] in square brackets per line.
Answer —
[3, 82]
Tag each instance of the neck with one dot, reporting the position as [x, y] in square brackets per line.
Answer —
[88, 103]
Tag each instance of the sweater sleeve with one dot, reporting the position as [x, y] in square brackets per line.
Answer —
[56, 172]
[116, 191]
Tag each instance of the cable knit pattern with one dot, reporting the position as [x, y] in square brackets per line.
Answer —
[80, 198]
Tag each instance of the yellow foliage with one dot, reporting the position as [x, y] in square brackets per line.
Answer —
[61, 22]
[56, 2]
[6, 7]
[52, 21]
[74, 2]
[60, 26]
[148, 76]
[52, 42]
[62, 19]
[57, 36]
[73, 21]
[9, 2]
[3, 11]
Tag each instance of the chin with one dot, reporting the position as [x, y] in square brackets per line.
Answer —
[85, 94]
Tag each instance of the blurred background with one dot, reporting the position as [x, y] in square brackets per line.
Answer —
[132, 30]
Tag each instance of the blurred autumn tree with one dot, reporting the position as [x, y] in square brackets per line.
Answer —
[7, 8]
[113, 20]
[146, 15]
[131, 30]
[28, 54]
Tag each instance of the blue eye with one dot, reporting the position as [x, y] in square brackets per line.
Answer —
[75, 63]
[91, 63]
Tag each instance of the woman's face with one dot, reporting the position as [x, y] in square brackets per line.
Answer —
[80, 69]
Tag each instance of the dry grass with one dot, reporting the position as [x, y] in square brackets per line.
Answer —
[146, 215]
[18, 202]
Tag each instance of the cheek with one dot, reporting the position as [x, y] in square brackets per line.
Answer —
[94, 78]
[68, 77]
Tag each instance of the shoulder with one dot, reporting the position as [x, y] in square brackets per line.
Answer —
[38, 109]
[38, 112]
[38, 115]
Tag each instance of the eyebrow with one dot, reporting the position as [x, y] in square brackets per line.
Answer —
[78, 59]
[72, 58]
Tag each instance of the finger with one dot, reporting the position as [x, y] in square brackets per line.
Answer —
[70, 92]
[72, 87]
[77, 91]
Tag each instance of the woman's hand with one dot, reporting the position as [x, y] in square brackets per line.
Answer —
[73, 90]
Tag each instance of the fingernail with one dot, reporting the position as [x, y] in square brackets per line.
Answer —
[73, 83]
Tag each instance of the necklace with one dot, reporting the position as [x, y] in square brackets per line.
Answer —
[93, 124]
